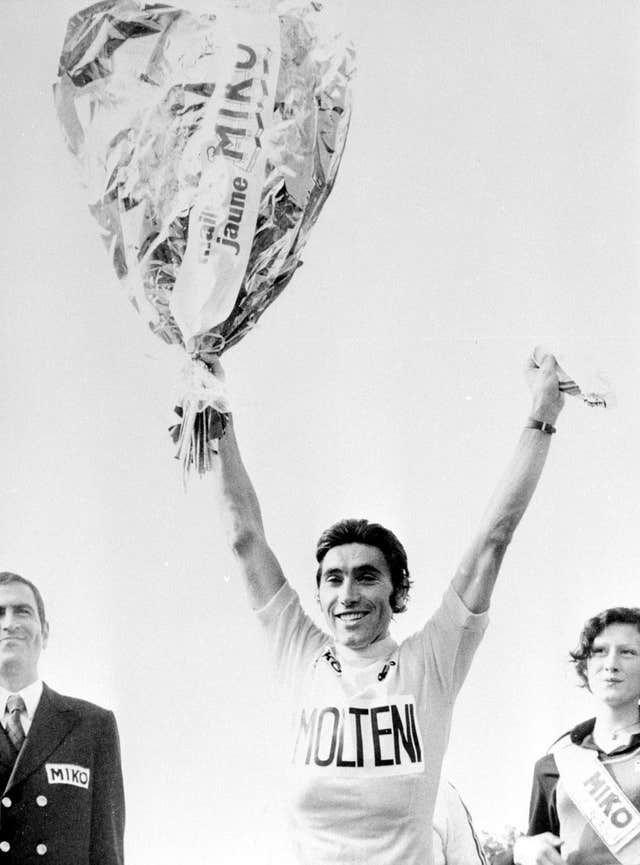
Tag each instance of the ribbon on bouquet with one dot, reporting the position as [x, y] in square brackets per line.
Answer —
[203, 409]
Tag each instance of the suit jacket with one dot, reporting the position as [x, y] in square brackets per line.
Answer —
[63, 799]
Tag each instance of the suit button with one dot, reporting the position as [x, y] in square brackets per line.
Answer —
[41, 849]
[6, 802]
[41, 800]
[5, 846]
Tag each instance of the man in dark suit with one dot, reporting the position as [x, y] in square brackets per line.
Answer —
[62, 801]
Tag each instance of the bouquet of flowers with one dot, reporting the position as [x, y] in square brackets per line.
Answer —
[208, 138]
[496, 844]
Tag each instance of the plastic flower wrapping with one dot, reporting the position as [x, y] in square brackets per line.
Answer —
[595, 388]
[208, 138]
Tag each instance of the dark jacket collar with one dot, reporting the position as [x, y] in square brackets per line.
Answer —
[52, 721]
[580, 732]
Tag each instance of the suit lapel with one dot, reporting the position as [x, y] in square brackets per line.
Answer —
[7, 751]
[52, 721]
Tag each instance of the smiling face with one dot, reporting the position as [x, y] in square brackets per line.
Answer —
[22, 636]
[354, 594]
[613, 666]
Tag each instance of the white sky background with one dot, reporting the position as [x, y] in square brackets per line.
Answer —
[488, 200]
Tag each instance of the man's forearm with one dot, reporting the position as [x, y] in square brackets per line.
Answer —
[477, 573]
[515, 490]
[237, 496]
[243, 522]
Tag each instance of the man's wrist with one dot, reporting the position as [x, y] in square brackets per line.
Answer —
[543, 426]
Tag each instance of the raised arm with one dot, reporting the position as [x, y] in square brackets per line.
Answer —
[243, 521]
[478, 570]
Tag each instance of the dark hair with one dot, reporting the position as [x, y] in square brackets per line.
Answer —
[352, 531]
[8, 577]
[593, 627]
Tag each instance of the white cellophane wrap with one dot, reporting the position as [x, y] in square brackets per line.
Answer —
[208, 137]
[591, 385]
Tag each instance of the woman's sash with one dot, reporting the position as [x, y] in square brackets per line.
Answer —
[601, 801]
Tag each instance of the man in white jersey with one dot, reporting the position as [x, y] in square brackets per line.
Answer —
[371, 718]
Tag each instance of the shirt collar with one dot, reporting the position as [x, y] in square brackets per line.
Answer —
[369, 654]
[583, 735]
[31, 696]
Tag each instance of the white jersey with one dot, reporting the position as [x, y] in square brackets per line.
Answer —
[455, 841]
[369, 731]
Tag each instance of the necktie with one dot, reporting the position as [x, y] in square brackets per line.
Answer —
[15, 731]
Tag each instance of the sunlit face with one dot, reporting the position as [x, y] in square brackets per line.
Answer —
[354, 593]
[22, 635]
[613, 668]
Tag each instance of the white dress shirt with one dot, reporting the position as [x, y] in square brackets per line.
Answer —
[31, 696]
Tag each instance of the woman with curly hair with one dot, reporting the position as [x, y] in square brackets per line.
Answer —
[585, 802]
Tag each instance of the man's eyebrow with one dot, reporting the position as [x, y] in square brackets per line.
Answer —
[331, 571]
[359, 569]
[21, 605]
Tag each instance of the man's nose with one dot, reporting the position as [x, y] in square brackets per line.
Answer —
[7, 620]
[348, 591]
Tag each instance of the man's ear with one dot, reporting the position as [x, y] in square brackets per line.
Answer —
[45, 634]
[398, 600]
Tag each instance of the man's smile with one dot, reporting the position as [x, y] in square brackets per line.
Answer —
[351, 616]
[354, 591]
